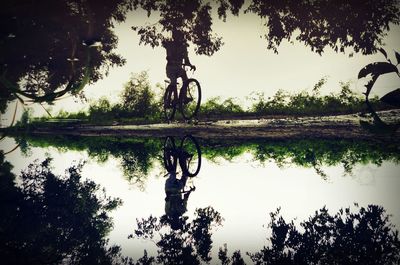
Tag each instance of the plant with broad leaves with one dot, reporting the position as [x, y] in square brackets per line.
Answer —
[374, 70]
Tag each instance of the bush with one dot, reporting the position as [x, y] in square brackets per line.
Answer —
[100, 110]
[138, 98]
[214, 106]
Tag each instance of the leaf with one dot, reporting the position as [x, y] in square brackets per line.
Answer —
[392, 98]
[397, 57]
[383, 52]
[376, 69]
[370, 84]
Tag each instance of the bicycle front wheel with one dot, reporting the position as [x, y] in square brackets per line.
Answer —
[169, 103]
[169, 154]
[190, 157]
[190, 98]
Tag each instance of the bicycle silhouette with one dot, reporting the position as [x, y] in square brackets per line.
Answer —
[187, 155]
[187, 99]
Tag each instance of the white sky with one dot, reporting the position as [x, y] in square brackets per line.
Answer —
[242, 66]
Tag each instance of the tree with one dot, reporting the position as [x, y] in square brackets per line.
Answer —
[358, 25]
[137, 97]
[51, 48]
[189, 245]
[363, 237]
[190, 17]
[49, 219]
[341, 24]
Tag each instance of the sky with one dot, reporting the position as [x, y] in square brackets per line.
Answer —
[241, 67]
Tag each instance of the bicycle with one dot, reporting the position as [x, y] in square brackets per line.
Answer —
[188, 154]
[188, 99]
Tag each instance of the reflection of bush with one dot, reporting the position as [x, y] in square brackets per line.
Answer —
[363, 237]
[49, 219]
[188, 245]
[137, 155]
[360, 237]
[306, 153]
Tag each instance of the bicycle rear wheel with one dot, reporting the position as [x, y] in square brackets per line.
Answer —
[169, 154]
[190, 157]
[169, 103]
[190, 98]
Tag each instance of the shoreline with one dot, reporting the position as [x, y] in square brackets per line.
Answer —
[350, 126]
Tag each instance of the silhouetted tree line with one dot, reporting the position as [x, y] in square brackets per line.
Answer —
[139, 104]
[53, 48]
[190, 244]
[50, 219]
[138, 156]
[365, 236]
[357, 25]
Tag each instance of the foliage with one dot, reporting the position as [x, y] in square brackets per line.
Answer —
[374, 70]
[317, 24]
[75, 43]
[213, 107]
[190, 17]
[236, 258]
[363, 237]
[336, 24]
[137, 156]
[26, 118]
[138, 98]
[139, 104]
[188, 245]
[306, 153]
[45, 55]
[49, 219]
[100, 110]
[303, 103]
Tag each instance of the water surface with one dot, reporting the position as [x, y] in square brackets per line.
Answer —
[242, 182]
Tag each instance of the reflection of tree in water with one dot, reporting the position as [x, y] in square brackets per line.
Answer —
[46, 54]
[189, 245]
[136, 163]
[49, 219]
[136, 156]
[319, 153]
[139, 155]
[365, 236]
[315, 154]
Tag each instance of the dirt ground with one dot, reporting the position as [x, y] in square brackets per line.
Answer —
[354, 126]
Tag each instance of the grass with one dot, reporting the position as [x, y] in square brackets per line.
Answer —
[137, 155]
[147, 108]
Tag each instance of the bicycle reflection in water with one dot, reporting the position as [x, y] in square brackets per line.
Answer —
[177, 190]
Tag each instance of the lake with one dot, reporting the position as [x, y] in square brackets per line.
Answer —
[226, 204]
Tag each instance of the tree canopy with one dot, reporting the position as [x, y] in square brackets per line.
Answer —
[340, 24]
[50, 48]
[190, 17]
[364, 235]
[357, 25]
[50, 219]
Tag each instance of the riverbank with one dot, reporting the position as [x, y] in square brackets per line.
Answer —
[353, 126]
